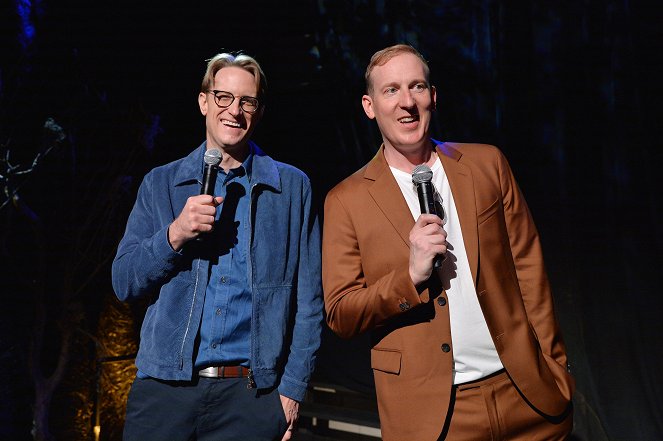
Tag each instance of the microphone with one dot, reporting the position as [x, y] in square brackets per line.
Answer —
[422, 176]
[212, 159]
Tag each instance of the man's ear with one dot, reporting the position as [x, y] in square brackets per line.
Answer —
[433, 95]
[367, 104]
[202, 103]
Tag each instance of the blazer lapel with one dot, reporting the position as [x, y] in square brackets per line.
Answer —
[462, 188]
[387, 195]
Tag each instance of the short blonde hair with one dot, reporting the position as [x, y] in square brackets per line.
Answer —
[381, 57]
[219, 61]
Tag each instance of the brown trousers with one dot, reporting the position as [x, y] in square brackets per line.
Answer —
[492, 409]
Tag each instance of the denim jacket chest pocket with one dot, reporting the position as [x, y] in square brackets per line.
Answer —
[275, 243]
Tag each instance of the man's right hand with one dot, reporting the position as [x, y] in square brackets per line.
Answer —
[427, 240]
[197, 217]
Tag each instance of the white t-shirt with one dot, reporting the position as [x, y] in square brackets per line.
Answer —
[474, 352]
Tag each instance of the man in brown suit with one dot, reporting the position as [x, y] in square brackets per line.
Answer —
[468, 351]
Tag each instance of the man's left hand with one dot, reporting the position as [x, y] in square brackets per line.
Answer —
[291, 411]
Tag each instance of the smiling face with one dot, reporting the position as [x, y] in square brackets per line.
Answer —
[401, 101]
[230, 128]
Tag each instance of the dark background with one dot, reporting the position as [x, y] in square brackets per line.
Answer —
[570, 91]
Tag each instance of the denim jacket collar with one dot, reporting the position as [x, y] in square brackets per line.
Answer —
[264, 170]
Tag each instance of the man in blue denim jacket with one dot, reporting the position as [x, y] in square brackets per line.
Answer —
[229, 339]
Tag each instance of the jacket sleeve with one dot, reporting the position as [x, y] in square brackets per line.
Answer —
[144, 259]
[353, 304]
[307, 328]
[530, 269]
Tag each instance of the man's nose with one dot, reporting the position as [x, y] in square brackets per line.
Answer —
[235, 108]
[406, 99]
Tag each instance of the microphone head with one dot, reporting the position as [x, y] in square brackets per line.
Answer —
[213, 157]
[422, 173]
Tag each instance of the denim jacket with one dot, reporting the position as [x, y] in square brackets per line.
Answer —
[283, 272]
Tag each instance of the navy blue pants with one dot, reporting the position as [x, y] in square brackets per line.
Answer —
[206, 409]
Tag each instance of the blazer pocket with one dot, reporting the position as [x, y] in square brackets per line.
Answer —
[386, 360]
[488, 212]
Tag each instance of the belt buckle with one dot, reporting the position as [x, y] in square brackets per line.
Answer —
[209, 372]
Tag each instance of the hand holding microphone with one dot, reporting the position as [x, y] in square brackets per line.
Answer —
[199, 212]
[427, 234]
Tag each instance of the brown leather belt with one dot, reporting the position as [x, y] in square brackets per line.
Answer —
[224, 372]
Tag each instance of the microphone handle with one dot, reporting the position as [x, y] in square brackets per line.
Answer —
[427, 206]
[207, 187]
[209, 179]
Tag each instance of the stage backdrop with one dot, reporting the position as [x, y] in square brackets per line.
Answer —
[92, 95]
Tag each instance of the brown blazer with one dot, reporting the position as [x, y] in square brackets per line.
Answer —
[367, 288]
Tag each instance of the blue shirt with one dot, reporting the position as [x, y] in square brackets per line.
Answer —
[226, 322]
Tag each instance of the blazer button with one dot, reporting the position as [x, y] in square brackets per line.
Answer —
[446, 348]
[441, 301]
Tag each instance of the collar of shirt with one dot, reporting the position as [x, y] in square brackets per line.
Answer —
[244, 168]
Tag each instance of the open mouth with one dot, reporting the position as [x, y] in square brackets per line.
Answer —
[408, 119]
[228, 123]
